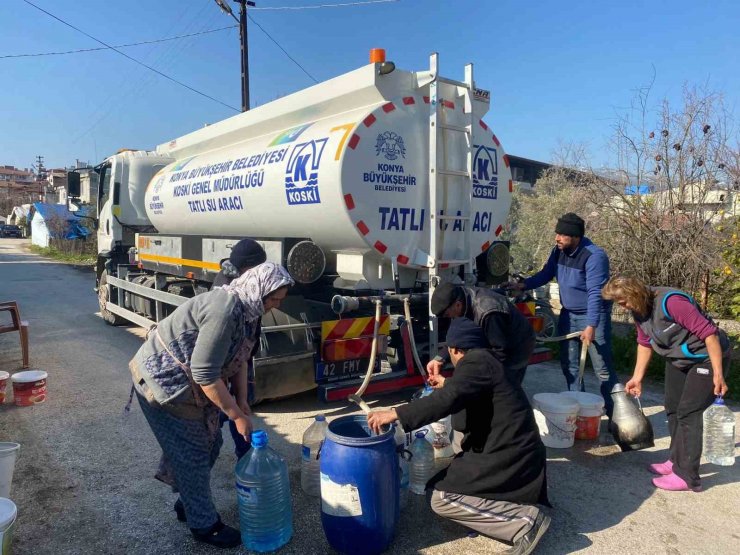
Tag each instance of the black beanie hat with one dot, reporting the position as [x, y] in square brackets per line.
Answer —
[443, 297]
[246, 254]
[465, 334]
[570, 224]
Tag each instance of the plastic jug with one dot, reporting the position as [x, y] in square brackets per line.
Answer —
[403, 465]
[437, 433]
[313, 437]
[263, 491]
[421, 465]
[719, 434]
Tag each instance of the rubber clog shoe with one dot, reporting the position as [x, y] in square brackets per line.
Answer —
[672, 482]
[662, 469]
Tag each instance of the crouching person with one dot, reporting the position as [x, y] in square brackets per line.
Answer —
[492, 486]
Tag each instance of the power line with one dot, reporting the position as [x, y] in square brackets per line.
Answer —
[317, 6]
[281, 48]
[131, 58]
[154, 41]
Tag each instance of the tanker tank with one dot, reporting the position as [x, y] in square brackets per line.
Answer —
[345, 163]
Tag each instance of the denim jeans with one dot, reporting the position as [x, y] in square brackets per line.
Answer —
[599, 351]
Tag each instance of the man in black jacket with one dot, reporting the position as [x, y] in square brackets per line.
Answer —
[510, 336]
[493, 484]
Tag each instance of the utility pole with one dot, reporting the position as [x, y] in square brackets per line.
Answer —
[242, 19]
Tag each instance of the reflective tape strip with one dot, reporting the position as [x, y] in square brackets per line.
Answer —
[352, 328]
[369, 120]
[179, 261]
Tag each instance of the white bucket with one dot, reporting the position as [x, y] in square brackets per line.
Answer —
[8, 514]
[556, 417]
[8, 453]
[589, 413]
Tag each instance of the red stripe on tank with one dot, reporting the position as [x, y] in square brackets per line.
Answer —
[362, 227]
[354, 141]
[380, 247]
[485, 246]
[483, 124]
[349, 201]
[499, 229]
[387, 108]
[511, 186]
[402, 259]
[495, 140]
[506, 160]
[408, 100]
[448, 104]
[369, 120]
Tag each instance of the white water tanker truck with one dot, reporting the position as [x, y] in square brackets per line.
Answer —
[371, 188]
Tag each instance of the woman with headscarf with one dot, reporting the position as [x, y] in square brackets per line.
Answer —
[697, 354]
[179, 376]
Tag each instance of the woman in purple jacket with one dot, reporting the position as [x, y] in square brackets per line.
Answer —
[696, 352]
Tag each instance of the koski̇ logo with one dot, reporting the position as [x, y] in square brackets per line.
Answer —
[391, 145]
[302, 172]
[485, 173]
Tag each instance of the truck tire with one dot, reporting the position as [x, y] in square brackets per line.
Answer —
[550, 321]
[103, 297]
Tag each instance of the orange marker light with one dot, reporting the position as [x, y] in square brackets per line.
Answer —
[377, 55]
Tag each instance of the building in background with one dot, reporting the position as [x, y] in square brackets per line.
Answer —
[525, 172]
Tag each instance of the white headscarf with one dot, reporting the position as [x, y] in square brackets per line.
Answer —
[255, 284]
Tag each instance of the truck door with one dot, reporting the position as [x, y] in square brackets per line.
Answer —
[108, 192]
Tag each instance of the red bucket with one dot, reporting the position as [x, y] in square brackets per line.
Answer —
[29, 388]
[4, 377]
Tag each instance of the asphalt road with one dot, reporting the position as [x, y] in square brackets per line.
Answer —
[83, 481]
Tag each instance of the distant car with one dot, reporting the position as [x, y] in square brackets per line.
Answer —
[10, 231]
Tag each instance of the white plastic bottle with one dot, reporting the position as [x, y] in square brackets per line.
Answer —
[312, 439]
[438, 434]
[403, 463]
[421, 465]
[719, 434]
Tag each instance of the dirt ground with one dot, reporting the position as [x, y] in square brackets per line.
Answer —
[83, 481]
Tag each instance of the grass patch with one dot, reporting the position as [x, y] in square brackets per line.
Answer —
[72, 257]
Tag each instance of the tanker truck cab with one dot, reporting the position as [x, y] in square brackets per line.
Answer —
[123, 179]
[371, 188]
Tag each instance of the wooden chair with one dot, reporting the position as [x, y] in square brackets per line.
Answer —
[17, 324]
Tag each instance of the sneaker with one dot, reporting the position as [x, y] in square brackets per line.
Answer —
[527, 543]
[673, 482]
[219, 535]
[661, 469]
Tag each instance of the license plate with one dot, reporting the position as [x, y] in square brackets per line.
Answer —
[333, 371]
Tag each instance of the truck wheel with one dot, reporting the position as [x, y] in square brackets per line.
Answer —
[550, 324]
[103, 297]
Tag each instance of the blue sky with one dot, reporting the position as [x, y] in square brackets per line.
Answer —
[558, 71]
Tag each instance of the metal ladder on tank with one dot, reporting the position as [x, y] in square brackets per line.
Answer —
[442, 179]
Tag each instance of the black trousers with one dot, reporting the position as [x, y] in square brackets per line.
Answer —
[688, 393]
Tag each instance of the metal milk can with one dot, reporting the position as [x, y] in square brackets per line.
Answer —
[630, 427]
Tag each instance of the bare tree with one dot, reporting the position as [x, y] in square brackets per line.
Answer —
[655, 210]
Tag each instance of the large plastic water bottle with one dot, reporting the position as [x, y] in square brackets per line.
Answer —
[263, 491]
[421, 465]
[403, 463]
[437, 433]
[719, 434]
[312, 439]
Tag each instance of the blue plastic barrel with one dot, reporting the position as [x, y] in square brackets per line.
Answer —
[359, 487]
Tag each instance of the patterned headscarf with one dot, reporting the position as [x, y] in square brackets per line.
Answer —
[255, 284]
